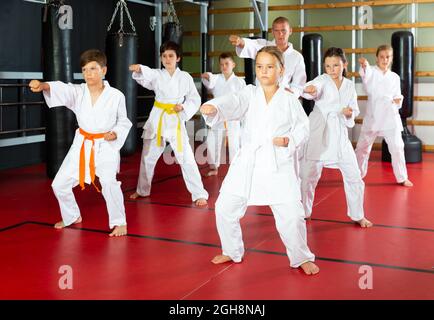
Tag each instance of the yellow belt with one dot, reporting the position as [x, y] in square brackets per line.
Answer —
[168, 108]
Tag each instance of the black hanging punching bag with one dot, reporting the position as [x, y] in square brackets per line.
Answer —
[312, 54]
[249, 69]
[121, 51]
[403, 65]
[56, 55]
[172, 31]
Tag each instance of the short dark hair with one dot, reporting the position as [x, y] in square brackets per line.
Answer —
[336, 52]
[170, 45]
[226, 55]
[281, 20]
[93, 55]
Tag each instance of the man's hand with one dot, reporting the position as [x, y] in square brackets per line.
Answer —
[348, 112]
[281, 141]
[135, 68]
[208, 110]
[38, 86]
[236, 41]
[110, 136]
[205, 76]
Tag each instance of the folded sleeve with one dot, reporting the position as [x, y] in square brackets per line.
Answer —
[232, 106]
[146, 77]
[251, 48]
[62, 94]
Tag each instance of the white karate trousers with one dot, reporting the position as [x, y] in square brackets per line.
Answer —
[290, 224]
[216, 149]
[353, 184]
[396, 148]
[110, 188]
[190, 172]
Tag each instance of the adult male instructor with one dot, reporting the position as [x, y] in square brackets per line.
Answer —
[294, 77]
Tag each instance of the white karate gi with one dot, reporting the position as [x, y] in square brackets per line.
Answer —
[176, 89]
[262, 173]
[107, 114]
[294, 76]
[219, 86]
[329, 145]
[382, 119]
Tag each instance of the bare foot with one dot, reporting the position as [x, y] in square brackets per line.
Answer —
[407, 183]
[221, 259]
[309, 268]
[61, 225]
[212, 172]
[365, 223]
[119, 231]
[135, 195]
[200, 202]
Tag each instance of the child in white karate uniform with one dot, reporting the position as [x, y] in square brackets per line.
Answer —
[294, 77]
[382, 114]
[328, 146]
[262, 172]
[103, 128]
[221, 84]
[176, 101]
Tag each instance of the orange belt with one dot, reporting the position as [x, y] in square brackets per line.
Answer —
[91, 137]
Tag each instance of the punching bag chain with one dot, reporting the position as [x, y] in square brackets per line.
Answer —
[122, 4]
[52, 3]
[171, 13]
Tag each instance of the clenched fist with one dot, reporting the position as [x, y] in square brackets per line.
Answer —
[310, 90]
[135, 68]
[281, 141]
[348, 112]
[178, 108]
[363, 62]
[110, 136]
[38, 86]
[236, 41]
[208, 110]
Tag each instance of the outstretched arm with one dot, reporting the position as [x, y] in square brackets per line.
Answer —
[232, 106]
[313, 89]
[38, 86]
[249, 48]
[365, 70]
[237, 41]
[209, 80]
[298, 78]
[144, 75]
[56, 93]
